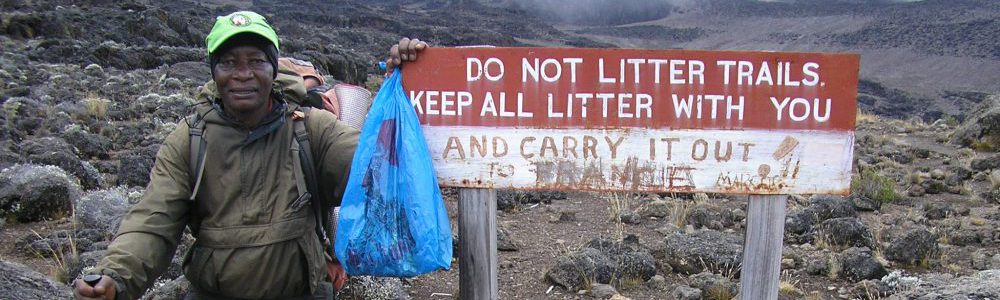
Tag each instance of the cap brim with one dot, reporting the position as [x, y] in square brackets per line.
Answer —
[258, 30]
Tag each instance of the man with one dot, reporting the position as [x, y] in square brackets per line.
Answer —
[254, 236]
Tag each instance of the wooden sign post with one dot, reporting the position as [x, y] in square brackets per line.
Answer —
[755, 123]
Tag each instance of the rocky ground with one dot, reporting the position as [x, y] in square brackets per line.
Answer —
[90, 89]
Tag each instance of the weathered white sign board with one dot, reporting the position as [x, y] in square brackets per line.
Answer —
[637, 120]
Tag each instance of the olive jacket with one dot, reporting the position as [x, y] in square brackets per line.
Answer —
[254, 240]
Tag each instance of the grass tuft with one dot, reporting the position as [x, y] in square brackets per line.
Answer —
[96, 107]
[871, 184]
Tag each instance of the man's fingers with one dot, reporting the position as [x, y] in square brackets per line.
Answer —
[394, 51]
[415, 47]
[404, 51]
[82, 290]
[104, 289]
[404, 48]
[391, 63]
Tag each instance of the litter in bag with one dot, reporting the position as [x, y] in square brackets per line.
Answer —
[392, 220]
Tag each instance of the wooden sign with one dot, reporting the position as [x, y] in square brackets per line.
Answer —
[637, 120]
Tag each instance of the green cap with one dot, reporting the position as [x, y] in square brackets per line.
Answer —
[239, 22]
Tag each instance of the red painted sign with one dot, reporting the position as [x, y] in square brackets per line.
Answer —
[637, 120]
[617, 88]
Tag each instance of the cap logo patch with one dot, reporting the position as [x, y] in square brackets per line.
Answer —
[239, 20]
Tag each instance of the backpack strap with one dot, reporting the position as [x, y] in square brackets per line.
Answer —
[196, 131]
[305, 174]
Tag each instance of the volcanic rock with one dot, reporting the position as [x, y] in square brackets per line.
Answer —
[658, 208]
[602, 291]
[20, 282]
[981, 285]
[914, 246]
[844, 233]
[858, 264]
[982, 129]
[989, 162]
[821, 208]
[941, 210]
[601, 261]
[175, 289]
[705, 250]
[134, 169]
[33, 193]
[102, 210]
[511, 199]
[57, 152]
[718, 286]
[683, 292]
[90, 145]
[504, 241]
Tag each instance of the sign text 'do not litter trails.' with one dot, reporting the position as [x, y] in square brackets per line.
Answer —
[637, 120]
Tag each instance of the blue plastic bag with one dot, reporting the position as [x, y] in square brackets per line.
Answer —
[392, 220]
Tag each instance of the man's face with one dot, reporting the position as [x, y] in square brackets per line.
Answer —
[243, 77]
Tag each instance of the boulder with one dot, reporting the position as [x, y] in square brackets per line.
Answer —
[658, 208]
[981, 129]
[714, 286]
[102, 210]
[59, 242]
[512, 199]
[94, 70]
[57, 152]
[864, 203]
[989, 162]
[20, 282]
[981, 285]
[940, 210]
[638, 265]
[857, 264]
[841, 233]
[602, 261]
[657, 282]
[957, 175]
[705, 250]
[982, 260]
[32, 193]
[703, 216]
[602, 291]
[821, 208]
[9, 157]
[504, 241]
[934, 186]
[630, 217]
[970, 236]
[90, 145]
[191, 72]
[134, 169]
[574, 271]
[683, 292]
[912, 247]
[175, 289]
[24, 117]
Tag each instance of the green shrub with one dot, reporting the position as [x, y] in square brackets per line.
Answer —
[869, 183]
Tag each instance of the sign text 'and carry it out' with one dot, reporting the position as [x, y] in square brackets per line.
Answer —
[637, 120]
